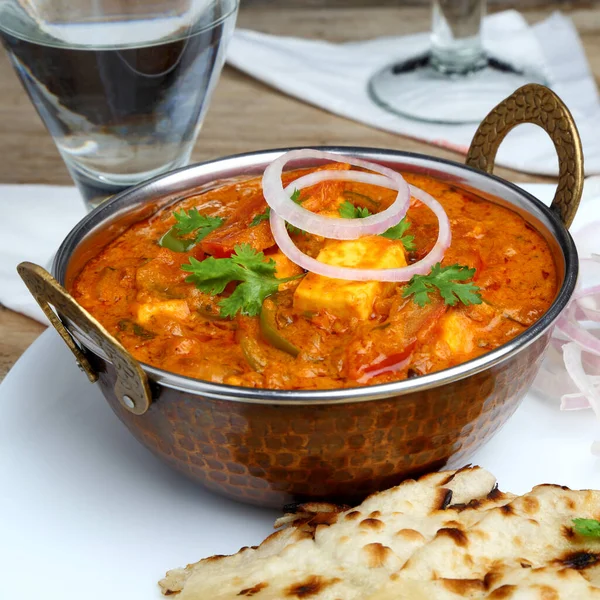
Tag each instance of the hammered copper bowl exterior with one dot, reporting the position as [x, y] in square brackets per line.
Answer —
[273, 447]
[272, 455]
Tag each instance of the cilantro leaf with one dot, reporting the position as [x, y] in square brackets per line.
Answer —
[263, 216]
[254, 274]
[445, 280]
[397, 233]
[296, 196]
[347, 210]
[192, 222]
[292, 229]
[587, 527]
[246, 256]
[212, 275]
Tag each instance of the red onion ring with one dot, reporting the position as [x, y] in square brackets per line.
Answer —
[340, 229]
[421, 267]
[576, 401]
[574, 366]
[576, 378]
[567, 323]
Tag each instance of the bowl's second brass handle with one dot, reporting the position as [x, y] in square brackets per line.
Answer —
[534, 103]
[131, 387]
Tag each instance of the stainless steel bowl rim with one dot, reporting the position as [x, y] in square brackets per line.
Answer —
[172, 181]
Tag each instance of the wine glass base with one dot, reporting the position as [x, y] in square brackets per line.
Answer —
[417, 90]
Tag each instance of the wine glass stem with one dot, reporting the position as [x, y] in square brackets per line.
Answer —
[456, 47]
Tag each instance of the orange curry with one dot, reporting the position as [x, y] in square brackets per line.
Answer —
[314, 332]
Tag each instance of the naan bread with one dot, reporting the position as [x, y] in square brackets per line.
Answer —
[533, 531]
[547, 583]
[326, 553]
[446, 536]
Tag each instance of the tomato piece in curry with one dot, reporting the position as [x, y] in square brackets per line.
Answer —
[314, 332]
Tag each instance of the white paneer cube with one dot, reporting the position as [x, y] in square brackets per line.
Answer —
[175, 309]
[349, 298]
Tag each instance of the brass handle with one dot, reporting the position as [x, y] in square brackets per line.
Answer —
[534, 103]
[132, 387]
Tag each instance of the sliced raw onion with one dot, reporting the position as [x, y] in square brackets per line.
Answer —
[421, 267]
[590, 303]
[340, 229]
[575, 401]
[571, 367]
[574, 365]
[567, 323]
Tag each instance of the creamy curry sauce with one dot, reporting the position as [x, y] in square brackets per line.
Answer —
[317, 333]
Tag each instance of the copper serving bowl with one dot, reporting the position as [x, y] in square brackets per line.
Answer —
[271, 447]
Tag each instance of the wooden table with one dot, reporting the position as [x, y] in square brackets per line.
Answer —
[244, 114]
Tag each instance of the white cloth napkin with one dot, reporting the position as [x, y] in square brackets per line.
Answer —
[34, 220]
[335, 76]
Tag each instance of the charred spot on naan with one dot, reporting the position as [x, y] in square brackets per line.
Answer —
[411, 535]
[503, 593]
[310, 586]
[352, 515]
[377, 554]
[310, 513]
[371, 524]
[445, 497]
[456, 535]
[579, 560]
[463, 587]
[255, 589]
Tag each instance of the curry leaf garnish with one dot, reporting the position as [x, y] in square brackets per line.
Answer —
[587, 527]
[446, 281]
[397, 233]
[194, 222]
[255, 276]
[347, 210]
[292, 229]
[263, 216]
[189, 223]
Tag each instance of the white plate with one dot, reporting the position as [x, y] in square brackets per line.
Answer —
[87, 512]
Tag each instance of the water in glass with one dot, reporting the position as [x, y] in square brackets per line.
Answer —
[123, 98]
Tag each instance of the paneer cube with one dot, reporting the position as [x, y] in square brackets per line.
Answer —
[457, 330]
[349, 298]
[175, 309]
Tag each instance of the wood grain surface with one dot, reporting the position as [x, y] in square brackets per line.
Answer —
[244, 114]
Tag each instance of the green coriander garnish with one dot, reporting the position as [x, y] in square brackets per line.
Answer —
[263, 216]
[447, 281]
[397, 233]
[587, 527]
[256, 277]
[347, 210]
[190, 228]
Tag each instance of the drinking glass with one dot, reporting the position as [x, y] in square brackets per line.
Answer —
[455, 81]
[121, 85]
